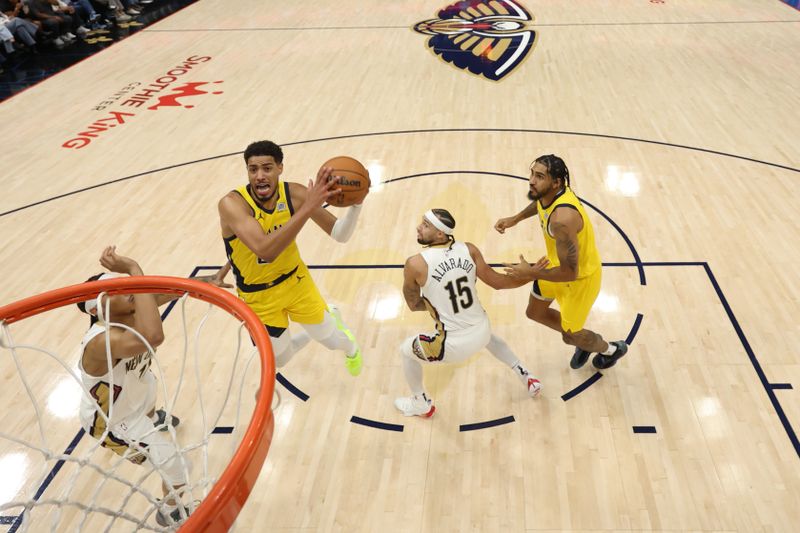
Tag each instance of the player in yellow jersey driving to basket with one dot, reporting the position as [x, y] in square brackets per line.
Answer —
[259, 223]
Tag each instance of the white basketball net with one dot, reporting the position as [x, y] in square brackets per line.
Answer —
[96, 489]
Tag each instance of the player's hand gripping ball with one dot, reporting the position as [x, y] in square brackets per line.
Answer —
[353, 181]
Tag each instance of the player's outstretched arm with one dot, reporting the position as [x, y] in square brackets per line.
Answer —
[564, 226]
[236, 218]
[217, 279]
[490, 276]
[414, 270]
[124, 343]
[509, 222]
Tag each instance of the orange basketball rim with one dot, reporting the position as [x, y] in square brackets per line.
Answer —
[218, 511]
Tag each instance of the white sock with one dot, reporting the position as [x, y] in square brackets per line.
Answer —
[413, 371]
[520, 371]
[498, 348]
[612, 349]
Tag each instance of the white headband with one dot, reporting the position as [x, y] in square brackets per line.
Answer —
[92, 304]
[438, 224]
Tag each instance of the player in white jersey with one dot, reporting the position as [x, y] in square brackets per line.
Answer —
[441, 280]
[126, 421]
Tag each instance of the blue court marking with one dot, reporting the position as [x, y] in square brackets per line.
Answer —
[172, 304]
[375, 424]
[412, 132]
[635, 329]
[787, 426]
[637, 259]
[627, 240]
[644, 429]
[597, 375]
[17, 521]
[488, 424]
[290, 387]
[582, 387]
[222, 430]
[780, 386]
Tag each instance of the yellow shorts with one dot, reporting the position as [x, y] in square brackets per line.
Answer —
[575, 298]
[296, 298]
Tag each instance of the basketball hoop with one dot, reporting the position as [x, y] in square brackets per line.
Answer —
[217, 511]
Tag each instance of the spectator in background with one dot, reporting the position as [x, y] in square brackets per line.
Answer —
[61, 8]
[22, 30]
[54, 25]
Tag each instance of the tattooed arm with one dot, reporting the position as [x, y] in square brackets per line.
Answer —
[564, 226]
[565, 223]
[414, 274]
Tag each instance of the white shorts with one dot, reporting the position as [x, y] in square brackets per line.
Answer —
[451, 346]
[137, 440]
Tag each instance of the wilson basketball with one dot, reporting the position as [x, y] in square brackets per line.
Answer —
[353, 181]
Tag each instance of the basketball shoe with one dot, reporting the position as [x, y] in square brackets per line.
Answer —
[166, 518]
[579, 358]
[602, 362]
[534, 386]
[161, 417]
[415, 406]
[352, 362]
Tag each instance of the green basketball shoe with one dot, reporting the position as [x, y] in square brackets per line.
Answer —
[352, 362]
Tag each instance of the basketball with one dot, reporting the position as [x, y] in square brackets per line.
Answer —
[353, 181]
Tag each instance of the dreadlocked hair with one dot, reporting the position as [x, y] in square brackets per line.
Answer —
[555, 167]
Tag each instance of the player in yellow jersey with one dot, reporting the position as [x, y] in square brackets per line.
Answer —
[572, 271]
[259, 224]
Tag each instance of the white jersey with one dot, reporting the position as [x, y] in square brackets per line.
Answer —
[450, 287]
[134, 390]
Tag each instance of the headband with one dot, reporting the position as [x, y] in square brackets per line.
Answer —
[438, 224]
[92, 304]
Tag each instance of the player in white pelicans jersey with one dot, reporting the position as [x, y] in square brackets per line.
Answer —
[441, 279]
[125, 421]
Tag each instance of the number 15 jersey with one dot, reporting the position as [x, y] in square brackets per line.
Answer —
[449, 291]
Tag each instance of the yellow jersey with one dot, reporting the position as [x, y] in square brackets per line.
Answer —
[588, 256]
[252, 273]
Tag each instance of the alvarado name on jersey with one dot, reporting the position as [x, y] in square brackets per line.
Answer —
[449, 264]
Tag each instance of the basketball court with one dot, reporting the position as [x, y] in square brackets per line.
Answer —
[679, 123]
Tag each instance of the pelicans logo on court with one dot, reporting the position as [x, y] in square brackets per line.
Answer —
[484, 37]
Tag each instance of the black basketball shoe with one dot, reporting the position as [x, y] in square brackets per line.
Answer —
[602, 362]
[579, 358]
